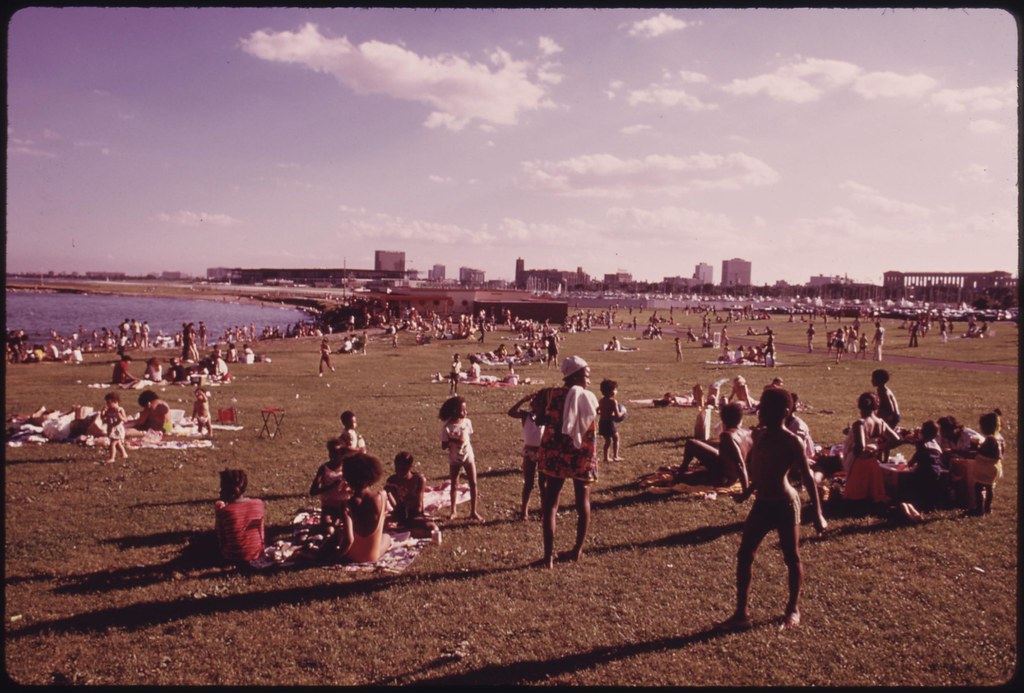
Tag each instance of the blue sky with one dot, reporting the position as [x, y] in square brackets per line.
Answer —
[806, 141]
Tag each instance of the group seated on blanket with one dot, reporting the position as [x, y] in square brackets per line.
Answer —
[615, 345]
[741, 357]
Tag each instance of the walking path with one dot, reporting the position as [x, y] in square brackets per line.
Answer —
[936, 363]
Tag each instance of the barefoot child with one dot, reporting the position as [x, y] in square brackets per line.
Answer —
[455, 438]
[454, 375]
[201, 412]
[114, 417]
[988, 463]
[774, 453]
[532, 434]
[325, 356]
[349, 435]
[405, 490]
[610, 413]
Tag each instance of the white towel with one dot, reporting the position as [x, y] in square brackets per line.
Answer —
[579, 414]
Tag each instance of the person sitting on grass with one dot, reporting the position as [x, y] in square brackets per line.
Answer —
[238, 520]
[155, 414]
[868, 436]
[329, 484]
[121, 376]
[925, 483]
[360, 538]
[724, 465]
[775, 451]
[405, 490]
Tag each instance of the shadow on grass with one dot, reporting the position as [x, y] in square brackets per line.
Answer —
[146, 614]
[499, 472]
[659, 441]
[691, 537]
[210, 501]
[48, 460]
[534, 671]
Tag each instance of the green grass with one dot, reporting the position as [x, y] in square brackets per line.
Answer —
[108, 580]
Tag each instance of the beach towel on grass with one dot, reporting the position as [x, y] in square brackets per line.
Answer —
[664, 481]
[301, 549]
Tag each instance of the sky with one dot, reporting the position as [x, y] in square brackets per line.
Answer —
[809, 142]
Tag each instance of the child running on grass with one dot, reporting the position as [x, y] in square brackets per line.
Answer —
[201, 412]
[988, 463]
[455, 438]
[325, 356]
[114, 418]
[609, 414]
[532, 434]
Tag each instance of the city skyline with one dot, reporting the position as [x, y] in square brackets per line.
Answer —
[819, 142]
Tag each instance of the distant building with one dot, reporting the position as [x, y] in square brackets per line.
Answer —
[311, 276]
[735, 272]
[548, 279]
[471, 277]
[436, 274]
[679, 284]
[945, 286]
[389, 261]
[824, 280]
[218, 274]
[704, 273]
[174, 276]
[618, 280]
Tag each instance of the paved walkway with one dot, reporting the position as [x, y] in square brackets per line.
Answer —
[913, 360]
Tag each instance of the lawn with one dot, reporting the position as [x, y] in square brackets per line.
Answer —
[109, 577]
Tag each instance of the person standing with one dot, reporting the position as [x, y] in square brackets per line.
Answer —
[568, 451]
[878, 339]
[775, 452]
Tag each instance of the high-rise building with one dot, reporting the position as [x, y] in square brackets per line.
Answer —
[436, 274]
[389, 261]
[520, 280]
[735, 272]
[704, 273]
[471, 277]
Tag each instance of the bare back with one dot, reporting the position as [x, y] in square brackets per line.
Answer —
[774, 452]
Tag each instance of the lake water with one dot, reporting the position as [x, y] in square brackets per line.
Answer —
[36, 313]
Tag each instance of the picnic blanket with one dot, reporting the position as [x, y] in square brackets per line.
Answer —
[739, 363]
[302, 546]
[664, 481]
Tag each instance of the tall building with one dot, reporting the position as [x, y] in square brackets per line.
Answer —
[735, 272]
[520, 279]
[471, 277]
[704, 273]
[389, 261]
[436, 274]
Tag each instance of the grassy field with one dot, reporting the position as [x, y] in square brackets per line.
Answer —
[109, 577]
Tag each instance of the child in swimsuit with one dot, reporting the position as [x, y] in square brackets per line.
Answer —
[113, 417]
[455, 438]
[362, 537]
[201, 412]
[405, 489]
[610, 413]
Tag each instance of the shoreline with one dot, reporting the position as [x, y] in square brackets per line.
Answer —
[156, 289]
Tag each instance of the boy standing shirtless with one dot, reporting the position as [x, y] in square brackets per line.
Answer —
[774, 453]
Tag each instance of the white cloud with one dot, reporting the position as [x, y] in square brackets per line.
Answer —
[668, 96]
[458, 90]
[564, 235]
[984, 126]
[670, 221]
[548, 46]
[889, 84]
[658, 25]
[976, 99]
[608, 175]
[634, 129]
[359, 222]
[798, 81]
[195, 219]
[876, 202]
[688, 76]
[434, 178]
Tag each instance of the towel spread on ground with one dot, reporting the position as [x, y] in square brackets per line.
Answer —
[302, 546]
[676, 401]
[739, 363]
[664, 481]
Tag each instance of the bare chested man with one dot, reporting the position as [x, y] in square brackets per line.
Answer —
[774, 453]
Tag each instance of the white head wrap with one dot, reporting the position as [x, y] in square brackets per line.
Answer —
[572, 364]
